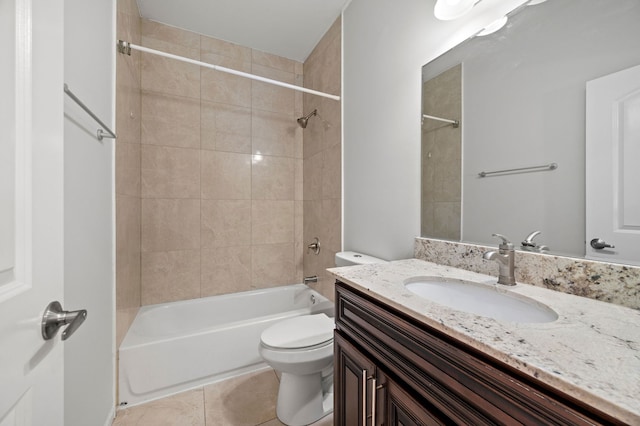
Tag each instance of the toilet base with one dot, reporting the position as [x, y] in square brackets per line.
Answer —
[301, 400]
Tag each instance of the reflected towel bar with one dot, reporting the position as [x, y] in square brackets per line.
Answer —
[551, 166]
[99, 133]
[455, 123]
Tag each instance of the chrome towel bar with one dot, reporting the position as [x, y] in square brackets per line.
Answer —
[100, 133]
[551, 166]
[455, 123]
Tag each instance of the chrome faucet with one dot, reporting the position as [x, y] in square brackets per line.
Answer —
[529, 245]
[505, 256]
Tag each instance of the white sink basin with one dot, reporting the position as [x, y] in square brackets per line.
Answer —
[480, 299]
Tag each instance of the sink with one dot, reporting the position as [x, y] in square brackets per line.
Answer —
[480, 299]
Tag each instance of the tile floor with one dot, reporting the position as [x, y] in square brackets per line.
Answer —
[248, 400]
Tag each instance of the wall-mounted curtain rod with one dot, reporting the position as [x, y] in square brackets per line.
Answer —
[551, 166]
[125, 47]
[99, 133]
[455, 123]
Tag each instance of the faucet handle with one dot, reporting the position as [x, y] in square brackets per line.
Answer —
[528, 242]
[505, 244]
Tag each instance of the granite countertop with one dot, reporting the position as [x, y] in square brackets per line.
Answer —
[591, 352]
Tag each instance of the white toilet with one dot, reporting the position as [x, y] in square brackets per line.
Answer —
[301, 349]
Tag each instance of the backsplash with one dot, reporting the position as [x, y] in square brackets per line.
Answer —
[607, 282]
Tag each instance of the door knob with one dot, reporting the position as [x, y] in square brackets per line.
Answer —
[54, 318]
[599, 244]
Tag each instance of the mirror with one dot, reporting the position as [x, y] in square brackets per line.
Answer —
[519, 95]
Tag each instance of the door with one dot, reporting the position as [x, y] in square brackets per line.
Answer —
[354, 382]
[31, 209]
[612, 172]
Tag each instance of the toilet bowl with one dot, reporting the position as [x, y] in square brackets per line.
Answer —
[301, 349]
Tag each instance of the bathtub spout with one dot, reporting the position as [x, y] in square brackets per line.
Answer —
[311, 279]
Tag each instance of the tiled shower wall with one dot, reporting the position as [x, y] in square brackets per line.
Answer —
[323, 158]
[221, 170]
[127, 171]
[210, 168]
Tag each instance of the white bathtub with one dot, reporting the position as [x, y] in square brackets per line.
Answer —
[177, 346]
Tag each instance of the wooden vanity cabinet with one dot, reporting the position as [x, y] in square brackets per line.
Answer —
[391, 369]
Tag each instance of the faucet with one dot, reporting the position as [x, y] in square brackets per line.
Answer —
[529, 245]
[505, 256]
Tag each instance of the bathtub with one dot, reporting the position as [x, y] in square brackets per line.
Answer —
[177, 346]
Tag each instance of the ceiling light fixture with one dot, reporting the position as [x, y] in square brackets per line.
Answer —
[446, 10]
[493, 27]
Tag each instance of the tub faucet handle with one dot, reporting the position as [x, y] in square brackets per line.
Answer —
[315, 246]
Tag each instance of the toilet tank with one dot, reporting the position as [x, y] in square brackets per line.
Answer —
[349, 258]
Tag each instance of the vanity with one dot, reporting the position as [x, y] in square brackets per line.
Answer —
[403, 359]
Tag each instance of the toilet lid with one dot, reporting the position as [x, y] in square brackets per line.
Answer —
[299, 332]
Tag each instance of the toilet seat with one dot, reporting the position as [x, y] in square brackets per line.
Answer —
[302, 332]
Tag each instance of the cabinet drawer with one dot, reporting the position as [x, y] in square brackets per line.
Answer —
[467, 386]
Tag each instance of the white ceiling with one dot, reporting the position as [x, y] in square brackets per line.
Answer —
[288, 28]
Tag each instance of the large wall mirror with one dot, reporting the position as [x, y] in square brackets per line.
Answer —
[519, 95]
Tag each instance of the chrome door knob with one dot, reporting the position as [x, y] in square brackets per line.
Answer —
[599, 244]
[54, 318]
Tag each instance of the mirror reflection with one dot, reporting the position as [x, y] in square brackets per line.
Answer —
[519, 95]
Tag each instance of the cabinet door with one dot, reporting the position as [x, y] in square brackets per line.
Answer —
[399, 408]
[354, 377]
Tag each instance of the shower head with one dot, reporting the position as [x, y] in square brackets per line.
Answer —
[302, 121]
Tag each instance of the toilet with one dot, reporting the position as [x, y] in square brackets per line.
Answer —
[301, 349]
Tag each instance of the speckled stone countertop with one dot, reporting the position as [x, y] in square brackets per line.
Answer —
[591, 352]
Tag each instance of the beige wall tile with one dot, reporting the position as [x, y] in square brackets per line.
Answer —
[225, 175]
[273, 178]
[169, 76]
[226, 270]
[242, 219]
[128, 169]
[225, 223]
[300, 246]
[332, 172]
[128, 229]
[273, 61]
[128, 203]
[225, 127]
[170, 120]
[226, 88]
[169, 276]
[322, 153]
[272, 265]
[169, 172]
[127, 100]
[332, 224]
[274, 133]
[272, 221]
[170, 39]
[268, 97]
[298, 190]
[209, 45]
[170, 224]
[313, 174]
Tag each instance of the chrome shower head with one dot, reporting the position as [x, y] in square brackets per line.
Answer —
[302, 121]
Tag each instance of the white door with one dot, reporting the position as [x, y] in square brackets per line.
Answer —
[613, 167]
[31, 209]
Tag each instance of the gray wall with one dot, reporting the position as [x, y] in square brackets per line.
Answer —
[89, 369]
